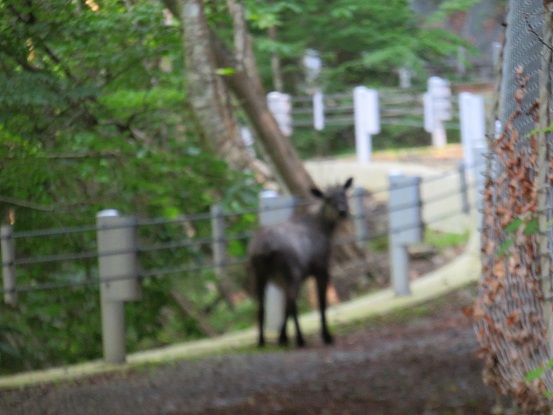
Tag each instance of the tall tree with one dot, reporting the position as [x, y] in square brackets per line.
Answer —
[211, 63]
[92, 117]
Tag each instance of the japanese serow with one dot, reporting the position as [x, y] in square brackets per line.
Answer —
[289, 252]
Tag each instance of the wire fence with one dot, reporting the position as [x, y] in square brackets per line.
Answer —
[196, 250]
[198, 261]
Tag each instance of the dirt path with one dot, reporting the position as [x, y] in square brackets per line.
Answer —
[422, 361]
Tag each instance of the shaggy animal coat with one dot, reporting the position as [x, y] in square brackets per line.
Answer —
[289, 252]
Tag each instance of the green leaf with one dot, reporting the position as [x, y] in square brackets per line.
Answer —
[532, 227]
[538, 372]
[225, 71]
[171, 212]
[513, 225]
[504, 247]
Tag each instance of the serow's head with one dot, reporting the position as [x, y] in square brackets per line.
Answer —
[335, 199]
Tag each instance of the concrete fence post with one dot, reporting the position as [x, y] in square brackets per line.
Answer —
[280, 106]
[8, 264]
[274, 208]
[118, 269]
[359, 217]
[405, 227]
[366, 115]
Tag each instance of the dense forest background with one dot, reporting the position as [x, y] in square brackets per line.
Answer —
[95, 113]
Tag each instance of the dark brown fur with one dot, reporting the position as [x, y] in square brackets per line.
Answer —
[289, 252]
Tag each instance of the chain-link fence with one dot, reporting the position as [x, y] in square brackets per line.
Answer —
[513, 307]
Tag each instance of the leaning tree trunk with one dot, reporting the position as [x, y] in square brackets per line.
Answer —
[206, 53]
[208, 96]
[206, 92]
[282, 155]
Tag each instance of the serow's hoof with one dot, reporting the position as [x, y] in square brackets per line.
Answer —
[328, 339]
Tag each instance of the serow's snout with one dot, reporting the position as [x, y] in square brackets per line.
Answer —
[343, 211]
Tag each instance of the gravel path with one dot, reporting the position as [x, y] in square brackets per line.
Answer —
[402, 365]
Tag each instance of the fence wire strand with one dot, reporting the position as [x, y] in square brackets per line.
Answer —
[189, 268]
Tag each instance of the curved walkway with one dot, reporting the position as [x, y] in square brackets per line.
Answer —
[462, 271]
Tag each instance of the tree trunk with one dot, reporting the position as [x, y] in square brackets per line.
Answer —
[282, 154]
[205, 52]
[190, 310]
[207, 94]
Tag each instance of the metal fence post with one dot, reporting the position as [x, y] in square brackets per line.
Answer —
[274, 208]
[405, 227]
[359, 217]
[479, 181]
[118, 269]
[8, 264]
[463, 188]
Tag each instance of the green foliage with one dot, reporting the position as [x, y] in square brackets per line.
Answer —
[539, 372]
[93, 116]
[442, 240]
[360, 42]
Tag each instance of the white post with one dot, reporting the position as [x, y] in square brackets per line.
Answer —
[439, 136]
[367, 121]
[318, 111]
[280, 106]
[8, 264]
[404, 77]
[437, 109]
[118, 269]
[248, 140]
[472, 119]
[405, 227]
[274, 209]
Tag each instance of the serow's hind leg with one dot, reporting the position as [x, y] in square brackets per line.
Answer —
[283, 338]
[294, 312]
[322, 285]
[261, 311]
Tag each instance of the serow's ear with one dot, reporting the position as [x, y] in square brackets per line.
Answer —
[348, 183]
[317, 193]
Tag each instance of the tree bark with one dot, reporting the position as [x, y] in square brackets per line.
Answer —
[282, 154]
[207, 94]
[192, 311]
